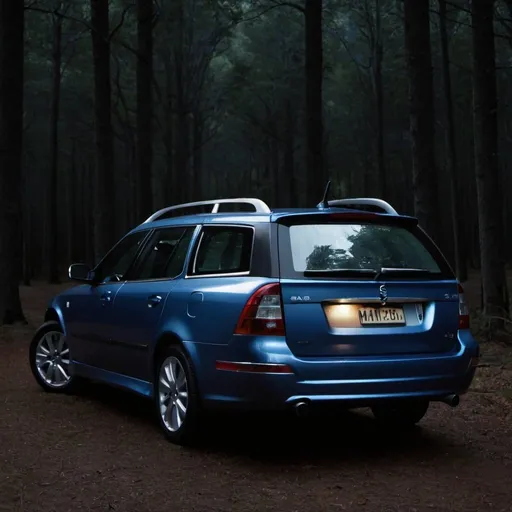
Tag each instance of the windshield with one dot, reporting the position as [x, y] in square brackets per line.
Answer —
[357, 247]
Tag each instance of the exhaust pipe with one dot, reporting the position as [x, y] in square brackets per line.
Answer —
[301, 409]
[451, 400]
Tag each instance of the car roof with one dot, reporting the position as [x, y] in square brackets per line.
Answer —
[252, 218]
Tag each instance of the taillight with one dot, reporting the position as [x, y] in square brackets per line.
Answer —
[463, 310]
[263, 314]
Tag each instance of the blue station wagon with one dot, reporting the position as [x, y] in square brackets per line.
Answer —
[227, 303]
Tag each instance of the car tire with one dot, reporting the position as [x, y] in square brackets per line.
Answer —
[176, 396]
[50, 359]
[401, 414]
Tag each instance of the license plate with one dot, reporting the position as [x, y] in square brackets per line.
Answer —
[381, 316]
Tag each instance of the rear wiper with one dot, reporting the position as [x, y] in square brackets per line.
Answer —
[340, 272]
[402, 271]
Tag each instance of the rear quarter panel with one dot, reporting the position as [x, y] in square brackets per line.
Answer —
[206, 310]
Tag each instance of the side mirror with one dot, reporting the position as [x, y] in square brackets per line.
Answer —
[80, 272]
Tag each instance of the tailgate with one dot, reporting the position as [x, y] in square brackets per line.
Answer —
[349, 319]
[369, 286]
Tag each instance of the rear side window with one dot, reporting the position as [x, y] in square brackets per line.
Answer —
[365, 248]
[223, 250]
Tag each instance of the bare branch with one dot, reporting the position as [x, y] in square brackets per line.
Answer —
[352, 58]
[118, 27]
[116, 40]
[469, 25]
[85, 23]
[293, 5]
[32, 7]
[274, 5]
[500, 318]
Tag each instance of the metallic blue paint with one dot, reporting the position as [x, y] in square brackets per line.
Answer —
[114, 379]
[324, 379]
[113, 333]
[436, 333]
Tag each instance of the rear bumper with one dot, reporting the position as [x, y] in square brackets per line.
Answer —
[351, 381]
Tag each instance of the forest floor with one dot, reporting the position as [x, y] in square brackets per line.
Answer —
[102, 450]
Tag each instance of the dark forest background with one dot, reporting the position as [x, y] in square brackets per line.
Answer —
[111, 110]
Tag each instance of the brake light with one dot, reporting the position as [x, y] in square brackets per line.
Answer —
[263, 314]
[463, 310]
[354, 216]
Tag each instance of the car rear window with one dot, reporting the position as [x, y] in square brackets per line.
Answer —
[310, 249]
[223, 250]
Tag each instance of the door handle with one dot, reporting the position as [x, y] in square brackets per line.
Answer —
[106, 297]
[154, 300]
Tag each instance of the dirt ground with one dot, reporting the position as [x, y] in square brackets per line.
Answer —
[102, 450]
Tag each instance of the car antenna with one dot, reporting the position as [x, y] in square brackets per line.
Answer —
[325, 203]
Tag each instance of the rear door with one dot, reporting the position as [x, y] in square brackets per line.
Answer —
[364, 288]
[138, 306]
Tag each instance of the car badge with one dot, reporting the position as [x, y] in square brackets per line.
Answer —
[383, 294]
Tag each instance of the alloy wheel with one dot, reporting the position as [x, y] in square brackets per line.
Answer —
[172, 394]
[53, 359]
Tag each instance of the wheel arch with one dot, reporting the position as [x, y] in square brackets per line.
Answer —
[166, 339]
[171, 339]
[53, 314]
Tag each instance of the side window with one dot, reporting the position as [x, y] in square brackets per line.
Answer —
[223, 250]
[118, 261]
[165, 254]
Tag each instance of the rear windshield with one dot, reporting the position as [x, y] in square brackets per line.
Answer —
[353, 250]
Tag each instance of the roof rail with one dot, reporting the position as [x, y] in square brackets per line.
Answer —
[258, 204]
[363, 201]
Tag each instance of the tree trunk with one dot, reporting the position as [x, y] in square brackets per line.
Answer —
[181, 167]
[451, 152]
[378, 54]
[316, 172]
[421, 97]
[132, 194]
[170, 181]
[169, 194]
[289, 156]
[89, 214]
[27, 242]
[27, 271]
[275, 174]
[490, 200]
[198, 126]
[11, 146]
[74, 206]
[144, 149]
[104, 190]
[53, 220]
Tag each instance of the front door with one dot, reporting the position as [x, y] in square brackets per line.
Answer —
[86, 312]
[88, 308]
